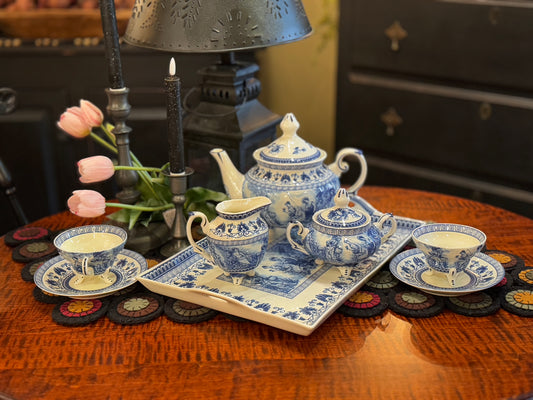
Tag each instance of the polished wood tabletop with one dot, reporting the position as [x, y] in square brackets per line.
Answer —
[448, 356]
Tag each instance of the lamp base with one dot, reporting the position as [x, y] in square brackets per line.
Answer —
[228, 116]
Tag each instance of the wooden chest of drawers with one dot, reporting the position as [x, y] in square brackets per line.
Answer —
[439, 95]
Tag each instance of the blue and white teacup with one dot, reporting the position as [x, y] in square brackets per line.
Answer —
[448, 248]
[91, 250]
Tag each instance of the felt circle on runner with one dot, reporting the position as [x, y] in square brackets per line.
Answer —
[415, 303]
[518, 300]
[187, 313]
[23, 235]
[77, 312]
[507, 260]
[364, 303]
[135, 308]
[33, 250]
[479, 304]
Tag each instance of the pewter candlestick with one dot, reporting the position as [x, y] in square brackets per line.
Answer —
[178, 187]
[118, 107]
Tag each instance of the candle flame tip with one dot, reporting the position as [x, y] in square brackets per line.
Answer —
[172, 67]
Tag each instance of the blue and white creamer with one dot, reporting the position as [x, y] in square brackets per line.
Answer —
[237, 238]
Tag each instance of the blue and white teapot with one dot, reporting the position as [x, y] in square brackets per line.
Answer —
[341, 235]
[291, 173]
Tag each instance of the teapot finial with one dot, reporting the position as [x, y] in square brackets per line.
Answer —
[341, 198]
[289, 125]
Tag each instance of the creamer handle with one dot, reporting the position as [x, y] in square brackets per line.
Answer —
[196, 248]
[302, 231]
[392, 229]
[340, 166]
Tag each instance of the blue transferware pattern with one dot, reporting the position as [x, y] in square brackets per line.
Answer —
[57, 277]
[237, 238]
[411, 268]
[289, 290]
[341, 235]
[291, 173]
[97, 261]
[439, 258]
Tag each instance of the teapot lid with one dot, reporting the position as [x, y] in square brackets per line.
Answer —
[341, 216]
[289, 148]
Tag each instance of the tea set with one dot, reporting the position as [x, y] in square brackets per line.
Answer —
[289, 196]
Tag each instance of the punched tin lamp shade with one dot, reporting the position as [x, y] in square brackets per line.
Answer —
[200, 26]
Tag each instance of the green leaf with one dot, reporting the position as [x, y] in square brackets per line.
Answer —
[121, 215]
[201, 195]
[163, 191]
[134, 216]
[207, 208]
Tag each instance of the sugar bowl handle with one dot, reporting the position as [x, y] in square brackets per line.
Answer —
[340, 166]
[302, 232]
[203, 224]
[391, 230]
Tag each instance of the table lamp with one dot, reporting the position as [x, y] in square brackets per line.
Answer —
[227, 113]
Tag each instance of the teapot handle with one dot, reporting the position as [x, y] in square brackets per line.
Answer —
[340, 166]
[196, 248]
[302, 231]
[392, 229]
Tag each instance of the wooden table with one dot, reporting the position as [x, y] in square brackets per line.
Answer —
[388, 357]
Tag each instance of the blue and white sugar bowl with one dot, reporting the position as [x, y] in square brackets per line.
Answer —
[341, 235]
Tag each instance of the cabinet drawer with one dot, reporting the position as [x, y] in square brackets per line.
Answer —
[479, 42]
[468, 131]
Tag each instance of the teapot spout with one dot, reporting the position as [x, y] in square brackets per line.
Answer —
[231, 177]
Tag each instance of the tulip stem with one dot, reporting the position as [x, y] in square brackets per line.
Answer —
[104, 143]
[166, 206]
[128, 168]
[143, 174]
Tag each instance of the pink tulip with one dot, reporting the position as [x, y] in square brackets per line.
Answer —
[93, 115]
[86, 203]
[95, 169]
[74, 123]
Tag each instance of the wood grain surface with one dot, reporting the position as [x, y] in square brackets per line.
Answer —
[387, 357]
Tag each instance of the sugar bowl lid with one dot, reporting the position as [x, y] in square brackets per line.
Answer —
[289, 148]
[341, 216]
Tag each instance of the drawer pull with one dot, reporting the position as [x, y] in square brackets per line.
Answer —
[391, 119]
[485, 111]
[395, 33]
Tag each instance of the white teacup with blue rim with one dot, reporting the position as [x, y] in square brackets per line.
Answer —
[91, 250]
[448, 248]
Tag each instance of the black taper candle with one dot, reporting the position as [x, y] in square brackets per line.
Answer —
[174, 121]
[111, 43]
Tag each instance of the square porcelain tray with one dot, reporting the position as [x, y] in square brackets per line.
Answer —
[289, 291]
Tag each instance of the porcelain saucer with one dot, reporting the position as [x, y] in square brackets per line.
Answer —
[411, 268]
[57, 277]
